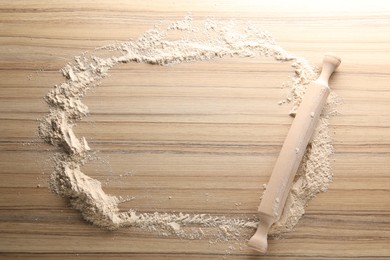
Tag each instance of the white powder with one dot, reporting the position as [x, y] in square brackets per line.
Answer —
[212, 40]
[183, 25]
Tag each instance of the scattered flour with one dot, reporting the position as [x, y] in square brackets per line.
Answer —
[153, 47]
[183, 25]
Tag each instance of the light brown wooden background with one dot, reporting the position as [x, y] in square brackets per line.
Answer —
[206, 134]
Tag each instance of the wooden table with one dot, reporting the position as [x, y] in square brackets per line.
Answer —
[205, 134]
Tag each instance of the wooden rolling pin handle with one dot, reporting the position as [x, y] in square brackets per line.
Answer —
[330, 64]
[290, 156]
[258, 241]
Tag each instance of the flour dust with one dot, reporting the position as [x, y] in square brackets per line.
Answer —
[212, 40]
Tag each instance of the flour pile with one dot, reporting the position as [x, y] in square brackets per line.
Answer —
[212, 40]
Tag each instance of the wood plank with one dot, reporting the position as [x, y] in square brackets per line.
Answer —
[207, 134]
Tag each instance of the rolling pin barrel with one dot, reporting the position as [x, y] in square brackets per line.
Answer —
[290, 156]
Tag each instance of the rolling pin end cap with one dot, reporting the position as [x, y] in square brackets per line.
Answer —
[332, 59]
[259, 241]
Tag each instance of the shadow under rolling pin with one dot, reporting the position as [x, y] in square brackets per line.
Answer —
[293, 149]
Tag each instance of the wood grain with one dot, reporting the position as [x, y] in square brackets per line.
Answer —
[207, 133]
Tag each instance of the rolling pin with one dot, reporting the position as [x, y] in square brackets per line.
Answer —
[290, 156]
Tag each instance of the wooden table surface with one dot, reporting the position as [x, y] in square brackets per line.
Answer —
[207, 134]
